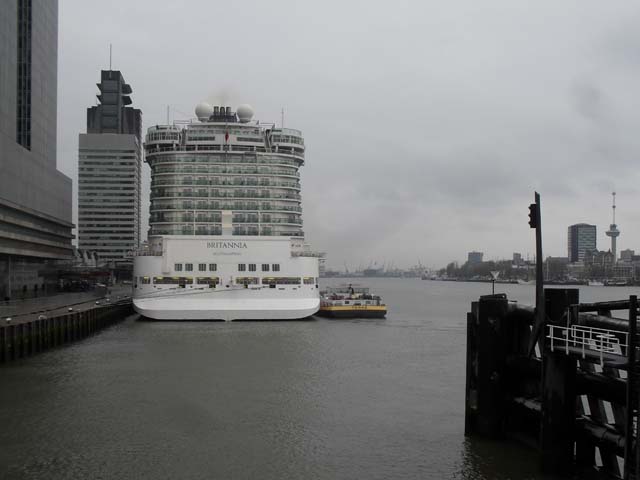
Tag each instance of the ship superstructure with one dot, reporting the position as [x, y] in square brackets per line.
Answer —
[225, 237]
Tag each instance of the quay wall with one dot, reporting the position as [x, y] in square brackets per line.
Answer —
[39, 334]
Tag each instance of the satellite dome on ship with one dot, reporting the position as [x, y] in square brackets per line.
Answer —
[204, 111]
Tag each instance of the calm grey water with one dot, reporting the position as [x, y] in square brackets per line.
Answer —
[322, 399]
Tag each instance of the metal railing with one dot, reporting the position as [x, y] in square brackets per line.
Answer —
[592, 341]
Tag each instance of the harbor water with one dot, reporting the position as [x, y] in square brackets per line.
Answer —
[319, 399]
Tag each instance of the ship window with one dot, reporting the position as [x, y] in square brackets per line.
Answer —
[281, 280]
[188, 267]
[252, 267]
[247, 280]
[145, 280]
[265, 267]
[167, 280]
[208, 281]
[242, 267]
[308, 281]
[202, 267]
[177, 267]
[213, 267]
[275, 267]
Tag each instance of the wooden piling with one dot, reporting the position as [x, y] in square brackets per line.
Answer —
[557, 429]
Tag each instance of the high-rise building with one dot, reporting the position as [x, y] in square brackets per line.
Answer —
[35, 198]
[109, 183]
[581, 238]
[474, 258]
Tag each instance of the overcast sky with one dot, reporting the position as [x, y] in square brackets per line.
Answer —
[428, 124]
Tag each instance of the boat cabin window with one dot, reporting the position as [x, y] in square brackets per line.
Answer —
[265, 267]
[145, 280]
[252, 267]
[275, 267]
[213, 267]
[247, 280]
[177, 267]
[188, 267]
[309, 280]
[242, 267]
[202, 267]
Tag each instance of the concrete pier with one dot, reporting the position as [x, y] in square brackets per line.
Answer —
[31, 334]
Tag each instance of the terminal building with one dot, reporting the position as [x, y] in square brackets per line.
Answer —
[109, 174]
[35, 198]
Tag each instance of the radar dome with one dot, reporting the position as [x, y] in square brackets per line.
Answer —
[245, 113]
[204, 111]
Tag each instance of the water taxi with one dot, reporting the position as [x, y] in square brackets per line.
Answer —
[351, 302]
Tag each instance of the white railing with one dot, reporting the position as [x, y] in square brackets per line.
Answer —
[592, 340]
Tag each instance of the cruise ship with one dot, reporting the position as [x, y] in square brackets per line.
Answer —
[225, 228]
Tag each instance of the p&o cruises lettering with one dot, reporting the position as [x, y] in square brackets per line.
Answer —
[226, 245]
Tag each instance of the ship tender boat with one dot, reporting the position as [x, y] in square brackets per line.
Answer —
[351, 302]
[225, 238]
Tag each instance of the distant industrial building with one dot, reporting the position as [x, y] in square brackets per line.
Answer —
[517, 259]
[35, 198]
[556, 268]
[581, 239]
[474, 258]
[109, 176]
[627, 255]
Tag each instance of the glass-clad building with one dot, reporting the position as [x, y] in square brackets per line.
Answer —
[225, 175]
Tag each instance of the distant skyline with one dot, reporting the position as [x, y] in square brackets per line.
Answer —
[428, 125]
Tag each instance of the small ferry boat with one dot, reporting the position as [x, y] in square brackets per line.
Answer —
[351, 302]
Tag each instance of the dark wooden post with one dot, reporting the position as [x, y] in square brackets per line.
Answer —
[557, 430]
[486, 367]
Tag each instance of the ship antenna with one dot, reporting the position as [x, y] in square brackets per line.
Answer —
[110, 51]
[282, 118]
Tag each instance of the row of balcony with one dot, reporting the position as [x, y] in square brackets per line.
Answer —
[292, 172]
[214, 160]
[217, 194]
[185, 219]
[250, 206]
[152, 148]
[222, 182]
[216, 230]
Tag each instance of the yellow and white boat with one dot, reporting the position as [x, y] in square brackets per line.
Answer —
[351, 302]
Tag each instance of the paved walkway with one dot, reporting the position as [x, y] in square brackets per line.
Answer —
[21, 311]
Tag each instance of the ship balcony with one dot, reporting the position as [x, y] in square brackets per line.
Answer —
[173, 182]
[219, 207]
[217, 230]
[154, 147]
[228, 159]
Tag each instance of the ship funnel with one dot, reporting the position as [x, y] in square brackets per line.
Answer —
[228, 110]
[216, 110]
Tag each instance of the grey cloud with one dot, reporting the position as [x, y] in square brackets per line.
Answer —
[428, 124]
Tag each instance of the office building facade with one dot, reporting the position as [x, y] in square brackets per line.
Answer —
[473, 258]
[581, 238]
[109, 174]
[35, 198]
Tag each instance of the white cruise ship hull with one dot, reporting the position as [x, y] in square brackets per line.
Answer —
[250, 278]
